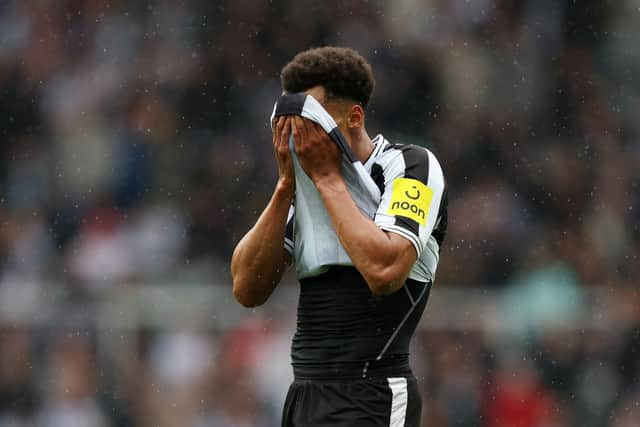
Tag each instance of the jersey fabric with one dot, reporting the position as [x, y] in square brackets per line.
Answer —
[413, 202]
[343, 328]
[350, 353]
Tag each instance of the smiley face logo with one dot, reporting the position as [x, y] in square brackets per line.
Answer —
[409, 195]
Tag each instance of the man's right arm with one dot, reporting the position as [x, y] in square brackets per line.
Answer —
[260, 259]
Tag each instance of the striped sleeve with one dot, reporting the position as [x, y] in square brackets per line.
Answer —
[288, 231]
[413, 192]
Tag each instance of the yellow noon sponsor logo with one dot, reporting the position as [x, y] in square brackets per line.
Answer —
[410, 198]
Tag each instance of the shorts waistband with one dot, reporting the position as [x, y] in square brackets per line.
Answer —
[385, 368]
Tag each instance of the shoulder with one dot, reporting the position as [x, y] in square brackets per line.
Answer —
[402, 152]
[408, 160]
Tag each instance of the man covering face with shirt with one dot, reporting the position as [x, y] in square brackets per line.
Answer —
[356, 313]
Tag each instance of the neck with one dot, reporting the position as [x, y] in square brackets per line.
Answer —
[361, 145]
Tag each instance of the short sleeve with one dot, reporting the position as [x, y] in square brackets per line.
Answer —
[412, 194]
[288, 232]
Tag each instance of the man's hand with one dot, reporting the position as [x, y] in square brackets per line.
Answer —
[281, 132]
[319, 156]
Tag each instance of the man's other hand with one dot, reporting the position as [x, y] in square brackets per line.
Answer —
[281, 133]
[319, 156]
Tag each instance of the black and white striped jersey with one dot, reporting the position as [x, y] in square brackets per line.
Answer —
[413, 201]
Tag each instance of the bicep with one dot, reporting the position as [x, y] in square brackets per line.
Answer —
[405, 255]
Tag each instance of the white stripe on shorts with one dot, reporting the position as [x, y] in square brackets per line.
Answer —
[399, 397]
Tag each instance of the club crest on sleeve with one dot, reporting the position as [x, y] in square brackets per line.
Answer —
[410, 198]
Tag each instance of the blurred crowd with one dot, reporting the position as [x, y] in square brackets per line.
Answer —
[135, 150]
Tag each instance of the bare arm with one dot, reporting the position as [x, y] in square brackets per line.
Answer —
[259, 259]
[384, 259]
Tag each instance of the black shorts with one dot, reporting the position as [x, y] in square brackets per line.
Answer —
[371, 402]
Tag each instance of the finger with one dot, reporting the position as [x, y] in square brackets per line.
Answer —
[299, 123]
[277, 130]
[308, 127]
[314, 129]
[286, 132]
[295, 131]
[276, 122]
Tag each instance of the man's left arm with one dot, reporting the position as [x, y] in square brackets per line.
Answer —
[383, 258]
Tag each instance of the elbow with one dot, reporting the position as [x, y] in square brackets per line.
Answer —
[245, 296]
[383, 280]
[243, 290]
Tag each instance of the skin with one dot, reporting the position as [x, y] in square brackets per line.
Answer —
[383, 259]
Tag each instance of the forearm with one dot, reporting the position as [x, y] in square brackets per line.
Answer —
[259, 259]
[372, 250]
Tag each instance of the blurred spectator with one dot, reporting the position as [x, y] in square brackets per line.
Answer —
[71, 397]
[517, 398]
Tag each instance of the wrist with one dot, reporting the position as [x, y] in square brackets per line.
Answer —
[285, 186]
[329, 184]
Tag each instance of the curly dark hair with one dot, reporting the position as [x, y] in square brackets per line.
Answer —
[342, 71]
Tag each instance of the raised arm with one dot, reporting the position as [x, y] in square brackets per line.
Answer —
[384, 259]
[260, 259]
